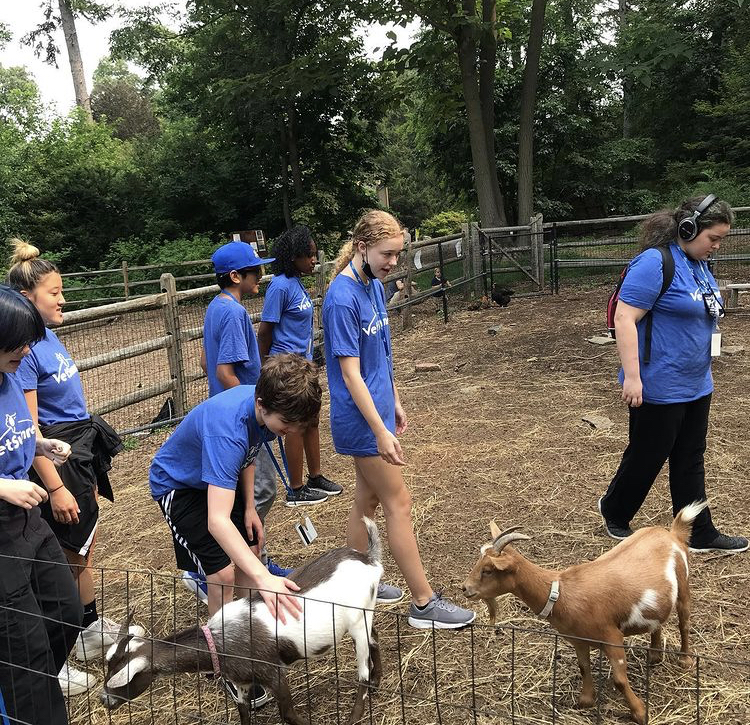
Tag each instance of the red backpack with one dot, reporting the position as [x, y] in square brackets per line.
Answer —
[667, 265]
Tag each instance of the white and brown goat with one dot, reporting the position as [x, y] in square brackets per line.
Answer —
[253, 646]
[630, 589]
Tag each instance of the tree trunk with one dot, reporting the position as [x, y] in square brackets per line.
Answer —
[627, 131]
[74, 56]
[284, 166]
[526, 120]
[294, 149]
[489, 213]
[487, 64]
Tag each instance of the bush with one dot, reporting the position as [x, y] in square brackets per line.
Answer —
[447, 222]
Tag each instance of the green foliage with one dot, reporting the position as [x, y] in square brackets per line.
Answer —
[447, 222]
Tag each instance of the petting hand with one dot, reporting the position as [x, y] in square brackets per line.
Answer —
[275, 591]
[57, 451]
[390, 449]
[254, 528]
[632, 392]
[21, 493]
[64, 506]
[401, 422]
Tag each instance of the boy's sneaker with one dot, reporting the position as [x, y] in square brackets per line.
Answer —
[99, 636]
[614, 531]
[305, 496]
[324, 485]
[723, 543]
[73, 681]
[257, 697]
[196, 583]
[275, 569]
[389, 594]
[440, 613]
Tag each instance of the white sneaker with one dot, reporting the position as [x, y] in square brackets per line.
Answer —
[99, 636]
[74, 682]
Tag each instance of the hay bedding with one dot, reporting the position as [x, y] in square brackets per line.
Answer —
[498, 433]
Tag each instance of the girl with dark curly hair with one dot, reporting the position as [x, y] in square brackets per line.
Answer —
[287, 326]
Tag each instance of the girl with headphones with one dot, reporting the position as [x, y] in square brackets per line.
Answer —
[669, 395]
[366, 413]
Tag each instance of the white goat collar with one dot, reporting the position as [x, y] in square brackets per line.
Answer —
[554, 595]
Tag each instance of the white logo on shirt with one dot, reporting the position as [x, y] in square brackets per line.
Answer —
[12, 439]
[306, 304]
[66, 368]
[375, 325]
[697, 296]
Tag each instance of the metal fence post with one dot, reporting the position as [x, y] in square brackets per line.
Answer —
[536, 241]
[476, 260]
[406, 309]
[174, 351]
[466, 252]
[125, 279]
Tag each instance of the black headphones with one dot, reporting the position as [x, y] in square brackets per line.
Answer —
[687, 229]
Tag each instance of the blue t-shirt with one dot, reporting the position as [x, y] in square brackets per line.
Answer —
[228, 337]
[17, 436]
[680, 367]
[49, 370]
[288, 305]
[211, 445]
[356, 325]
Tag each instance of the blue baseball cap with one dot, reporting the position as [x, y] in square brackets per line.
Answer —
[235, 256]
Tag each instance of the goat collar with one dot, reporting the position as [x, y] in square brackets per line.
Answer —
[212, 649]
[554, 595]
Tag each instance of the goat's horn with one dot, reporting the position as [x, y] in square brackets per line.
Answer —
[125, 626]
[507, 537]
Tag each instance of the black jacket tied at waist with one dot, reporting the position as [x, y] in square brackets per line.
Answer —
[94, 443]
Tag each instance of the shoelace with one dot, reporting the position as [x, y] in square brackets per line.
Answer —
[445, 604]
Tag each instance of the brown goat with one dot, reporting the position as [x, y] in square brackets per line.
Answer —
[630, 589]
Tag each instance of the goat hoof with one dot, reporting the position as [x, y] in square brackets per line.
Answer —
[655, 657]
[584, 702]
[639, 716]
[685, 662]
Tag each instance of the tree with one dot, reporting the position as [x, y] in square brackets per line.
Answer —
[42, 40]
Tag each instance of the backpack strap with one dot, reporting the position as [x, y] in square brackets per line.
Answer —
[667, 268]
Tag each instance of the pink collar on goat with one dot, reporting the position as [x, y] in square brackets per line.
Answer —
[212, 649]
[554, 595]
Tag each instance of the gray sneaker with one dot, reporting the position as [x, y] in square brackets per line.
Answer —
[305, 496]
[324, 485]
[441, 614]
[389, 594]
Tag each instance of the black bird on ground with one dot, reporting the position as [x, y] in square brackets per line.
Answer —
[501, 295]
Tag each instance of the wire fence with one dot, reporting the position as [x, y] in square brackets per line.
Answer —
[482, 674]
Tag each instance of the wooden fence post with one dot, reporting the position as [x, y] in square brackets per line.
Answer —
[174, 351]
[476, 260]
[406, 297]
[320, 291]
[466, 252]
[125, 279]
[536, 242]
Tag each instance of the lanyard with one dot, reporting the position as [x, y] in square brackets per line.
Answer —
[377, 314]
[714, 308]
[265, 440]
[307, 297]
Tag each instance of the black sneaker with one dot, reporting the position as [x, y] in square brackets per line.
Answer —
[257, 695]
[304, 496]
[324, 485]
[614, 531]
[723, 543]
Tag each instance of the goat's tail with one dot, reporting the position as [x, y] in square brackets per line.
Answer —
[374, 547]
[682, 526]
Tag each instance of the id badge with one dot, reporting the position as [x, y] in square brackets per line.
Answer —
[716, 344]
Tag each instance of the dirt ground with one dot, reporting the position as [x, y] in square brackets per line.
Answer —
[496, 434]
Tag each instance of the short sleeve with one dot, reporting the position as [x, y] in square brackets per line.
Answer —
[222, 459]
[343, 328]
[274, 303]
[233, 340]
[27, 374]
[644, 279]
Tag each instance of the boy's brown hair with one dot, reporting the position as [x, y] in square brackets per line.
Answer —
[288, 385]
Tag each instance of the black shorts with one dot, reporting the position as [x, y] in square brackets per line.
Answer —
[186, 512]
[79, 477]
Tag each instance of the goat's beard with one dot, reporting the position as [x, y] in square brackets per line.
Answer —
[492, 609]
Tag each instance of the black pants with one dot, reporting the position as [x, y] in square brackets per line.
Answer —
[677, 432]
[40, 617]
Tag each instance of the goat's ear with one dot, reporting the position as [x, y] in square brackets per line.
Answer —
[126, 673]
[500, 562]
[494, 530]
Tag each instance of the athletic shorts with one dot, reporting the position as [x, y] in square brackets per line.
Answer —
[186, 513]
